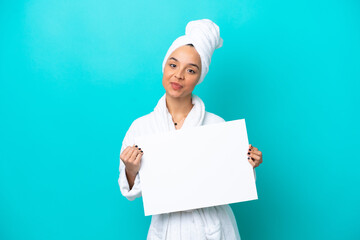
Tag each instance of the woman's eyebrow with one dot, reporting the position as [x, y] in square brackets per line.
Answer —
[192, 64]
[173, 59]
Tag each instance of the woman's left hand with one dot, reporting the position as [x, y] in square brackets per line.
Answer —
[254, 156]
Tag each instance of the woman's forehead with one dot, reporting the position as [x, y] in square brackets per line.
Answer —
[186, 54]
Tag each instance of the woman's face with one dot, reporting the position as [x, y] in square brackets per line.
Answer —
[182, 71]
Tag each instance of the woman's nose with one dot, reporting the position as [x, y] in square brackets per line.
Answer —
[179, 74]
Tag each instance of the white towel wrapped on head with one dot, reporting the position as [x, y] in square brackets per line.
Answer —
[205, 36]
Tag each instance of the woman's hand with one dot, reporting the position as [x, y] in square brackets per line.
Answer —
[254, 156]
[131, 157]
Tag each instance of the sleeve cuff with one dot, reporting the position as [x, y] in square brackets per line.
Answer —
[135, 191]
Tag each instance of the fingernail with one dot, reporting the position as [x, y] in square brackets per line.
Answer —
[249, 158]
[135, 145]
[249, 149]
[248, 153]
[141, 150]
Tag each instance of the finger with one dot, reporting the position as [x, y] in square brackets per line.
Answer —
[251, 162]
[124, 153]
[130, 153]
[251, 148]
[258, 153]
[134, 154]
[138, 157]
[261, 158]
[255, 157]
[258, 162]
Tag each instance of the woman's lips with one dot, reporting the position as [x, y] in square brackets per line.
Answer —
[176, 86]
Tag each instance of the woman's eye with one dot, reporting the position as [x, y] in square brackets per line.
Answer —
[172, 65]
[191, 71]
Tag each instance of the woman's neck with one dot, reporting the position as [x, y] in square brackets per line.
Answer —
[179, 107]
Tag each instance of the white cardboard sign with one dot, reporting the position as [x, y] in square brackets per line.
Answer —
[195, 168]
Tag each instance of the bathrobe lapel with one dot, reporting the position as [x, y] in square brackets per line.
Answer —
[163, 121]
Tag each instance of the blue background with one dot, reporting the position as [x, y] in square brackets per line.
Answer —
[75, 74]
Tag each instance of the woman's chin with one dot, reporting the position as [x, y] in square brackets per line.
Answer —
[174, 94]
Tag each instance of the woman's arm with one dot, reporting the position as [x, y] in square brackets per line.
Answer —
[129, 180]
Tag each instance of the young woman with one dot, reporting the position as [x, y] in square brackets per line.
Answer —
[185, 65]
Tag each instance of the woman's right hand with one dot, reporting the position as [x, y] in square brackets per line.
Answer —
[131, 157]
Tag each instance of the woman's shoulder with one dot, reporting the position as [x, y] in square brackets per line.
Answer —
[212, 118]
[140, 121]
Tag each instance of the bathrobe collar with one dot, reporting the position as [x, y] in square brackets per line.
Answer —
[193, 119]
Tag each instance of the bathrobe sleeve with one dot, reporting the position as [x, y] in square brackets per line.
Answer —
[135, 191]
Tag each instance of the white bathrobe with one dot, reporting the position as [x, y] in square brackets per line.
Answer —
[213, 223]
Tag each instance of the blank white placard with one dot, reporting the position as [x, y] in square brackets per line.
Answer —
[196, 167]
